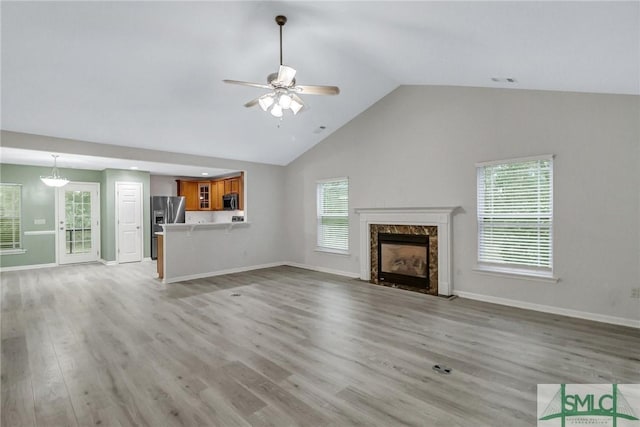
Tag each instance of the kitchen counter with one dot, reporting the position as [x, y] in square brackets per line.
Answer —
[204, 225]
[203, 249]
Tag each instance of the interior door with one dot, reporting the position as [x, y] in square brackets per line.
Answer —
[79, 222]
[129, 221]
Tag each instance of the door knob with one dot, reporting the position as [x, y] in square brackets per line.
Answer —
[138, 227]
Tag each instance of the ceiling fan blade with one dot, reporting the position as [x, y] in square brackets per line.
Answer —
[237, 82]
[252, 103]
[316, 90]
[285, 75]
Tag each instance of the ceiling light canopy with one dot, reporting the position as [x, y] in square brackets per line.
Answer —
[54, 180]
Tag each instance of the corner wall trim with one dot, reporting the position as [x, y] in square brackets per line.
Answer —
[27, 267]
[622, 321]
[324, 270]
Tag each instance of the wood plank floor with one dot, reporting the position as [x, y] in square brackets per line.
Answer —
[112, 346]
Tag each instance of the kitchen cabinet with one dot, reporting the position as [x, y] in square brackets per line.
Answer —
[235, 185]
[160, 263]
[217, 194]
[207, 195]
[189, 189]
[204, 196]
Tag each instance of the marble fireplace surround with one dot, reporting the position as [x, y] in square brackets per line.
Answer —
[440, 217]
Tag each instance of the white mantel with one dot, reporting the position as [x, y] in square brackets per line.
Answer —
[440, 217]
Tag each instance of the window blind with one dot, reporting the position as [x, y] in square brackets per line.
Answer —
[10, 227]
[333, 214]
[515, 213]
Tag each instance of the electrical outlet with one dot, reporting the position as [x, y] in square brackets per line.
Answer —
[635, 293]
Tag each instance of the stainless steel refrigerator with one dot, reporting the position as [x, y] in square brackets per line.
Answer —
[164, 210]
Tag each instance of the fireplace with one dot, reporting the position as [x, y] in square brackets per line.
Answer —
[403, 259]
[405, 256]
[436, 223]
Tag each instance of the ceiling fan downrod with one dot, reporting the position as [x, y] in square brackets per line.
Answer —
[281, 20]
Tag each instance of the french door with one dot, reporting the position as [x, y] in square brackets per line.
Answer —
[79, 222]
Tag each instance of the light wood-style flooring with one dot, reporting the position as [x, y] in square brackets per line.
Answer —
[89, 345]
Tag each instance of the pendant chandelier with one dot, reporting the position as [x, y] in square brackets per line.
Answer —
[54, 180]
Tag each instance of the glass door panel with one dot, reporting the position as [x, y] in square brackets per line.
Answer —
[78, 222]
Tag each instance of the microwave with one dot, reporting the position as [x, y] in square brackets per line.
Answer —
[230, 202]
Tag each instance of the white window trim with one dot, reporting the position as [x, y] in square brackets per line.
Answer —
[520, 273]
[509, 270]
[19, 250]
[323, 249]
[516, 160]
[332, 251]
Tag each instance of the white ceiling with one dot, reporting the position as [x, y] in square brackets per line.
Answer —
[149, 74]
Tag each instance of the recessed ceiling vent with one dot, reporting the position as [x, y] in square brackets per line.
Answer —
[504, 79]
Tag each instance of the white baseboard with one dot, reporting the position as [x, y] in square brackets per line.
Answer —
[623, 321]
[105, 262]
[147, 259]
[324, 270]
[221, 272]
[27, 267]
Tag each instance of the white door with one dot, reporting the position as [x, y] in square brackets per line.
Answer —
[129, 221]
[79, 222]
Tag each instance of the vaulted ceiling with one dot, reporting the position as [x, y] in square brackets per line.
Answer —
[149, 74]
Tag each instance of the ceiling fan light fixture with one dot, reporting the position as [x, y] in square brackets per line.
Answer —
[265, 102]
[295, 106]
[54, 180]
[285, 101]
[276, 111]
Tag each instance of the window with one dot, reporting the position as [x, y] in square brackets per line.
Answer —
[515, 216]
[333, 215]
[10, 224]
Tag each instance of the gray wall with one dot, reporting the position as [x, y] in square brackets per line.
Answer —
[418, 147]
[163, 185]
[38, 202]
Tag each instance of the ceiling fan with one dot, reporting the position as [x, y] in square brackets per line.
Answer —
[284, 90]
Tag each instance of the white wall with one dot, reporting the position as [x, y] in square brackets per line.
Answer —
[418, 147]
[163, 185]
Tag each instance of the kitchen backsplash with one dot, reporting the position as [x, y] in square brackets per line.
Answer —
[200, 217]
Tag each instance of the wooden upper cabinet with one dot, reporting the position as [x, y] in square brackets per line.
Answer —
[235, 185]
[204, 196]
[189, 189]
[207, 195]
[219, 192]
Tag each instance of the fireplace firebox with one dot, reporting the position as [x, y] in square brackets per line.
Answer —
[403, 259]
